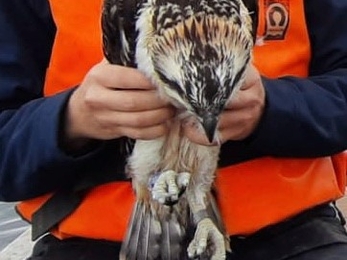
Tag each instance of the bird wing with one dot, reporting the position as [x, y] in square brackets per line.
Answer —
[119, 34]
[118, 20]
[252, 6]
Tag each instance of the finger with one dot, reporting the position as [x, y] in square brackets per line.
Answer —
[196, 135]
[252, 75]
[201, 236]
[240, 99]
[120, 77]
[125, 100]
[234, 118]
[138, 100]
[236, 125]
[252, 88]
[137, 119]
[147, 133]
[246, 98]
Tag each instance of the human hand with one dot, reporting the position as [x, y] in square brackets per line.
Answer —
[115, 101]
[240, 117]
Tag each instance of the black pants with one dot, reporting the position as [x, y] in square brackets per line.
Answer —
[317, 234]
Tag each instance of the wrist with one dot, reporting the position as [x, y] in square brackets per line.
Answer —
[70, 141]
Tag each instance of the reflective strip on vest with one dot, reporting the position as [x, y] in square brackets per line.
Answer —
[252, 194]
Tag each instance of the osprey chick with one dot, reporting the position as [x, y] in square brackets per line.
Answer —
[196, 53]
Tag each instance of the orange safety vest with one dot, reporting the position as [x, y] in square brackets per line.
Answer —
[251, 194]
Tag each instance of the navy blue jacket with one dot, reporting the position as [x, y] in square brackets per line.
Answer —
[303, 117]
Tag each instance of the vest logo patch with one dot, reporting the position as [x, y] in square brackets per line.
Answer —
[276, 19]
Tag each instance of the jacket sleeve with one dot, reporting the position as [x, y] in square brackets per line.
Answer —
[305, 117]
[31, 162]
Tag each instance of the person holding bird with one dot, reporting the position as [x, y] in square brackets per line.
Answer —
[155, 129]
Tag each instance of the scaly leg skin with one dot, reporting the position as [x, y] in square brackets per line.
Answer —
[207, 233]
[166, 187]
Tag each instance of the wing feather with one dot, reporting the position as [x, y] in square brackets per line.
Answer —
[119, 34]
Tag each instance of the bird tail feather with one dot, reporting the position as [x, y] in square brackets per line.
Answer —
[156, 232]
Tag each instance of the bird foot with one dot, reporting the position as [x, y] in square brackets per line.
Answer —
[207, 236]
[168, 186]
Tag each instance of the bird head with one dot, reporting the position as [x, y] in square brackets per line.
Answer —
[203, 88]
[198, 60]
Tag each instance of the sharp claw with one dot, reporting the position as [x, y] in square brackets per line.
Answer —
[183, 179]
[168, 186]
[207, 231]
[169, 202]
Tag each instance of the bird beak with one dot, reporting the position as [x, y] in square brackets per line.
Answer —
[209, 123]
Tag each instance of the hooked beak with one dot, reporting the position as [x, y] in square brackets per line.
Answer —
[209, 123]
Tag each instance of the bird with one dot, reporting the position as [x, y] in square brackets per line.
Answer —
[196, 53]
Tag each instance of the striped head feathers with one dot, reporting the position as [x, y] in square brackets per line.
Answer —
[196, 52]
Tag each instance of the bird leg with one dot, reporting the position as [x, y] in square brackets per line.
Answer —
[207, 235]
[168, 186]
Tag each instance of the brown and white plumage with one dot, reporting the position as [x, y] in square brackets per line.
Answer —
[196, 53]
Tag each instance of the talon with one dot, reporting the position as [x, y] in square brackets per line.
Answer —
[168, 186]
[183, 179]
[207, 232]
